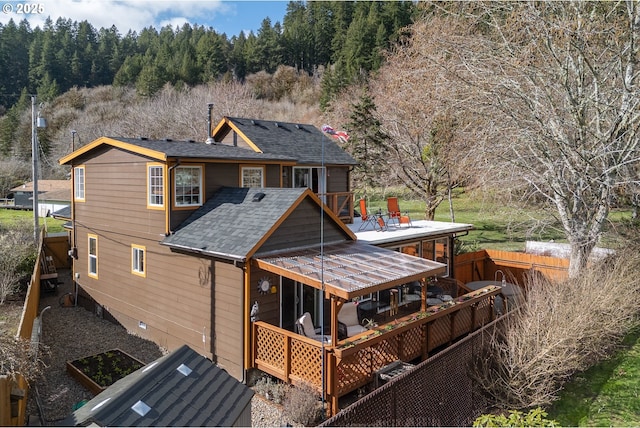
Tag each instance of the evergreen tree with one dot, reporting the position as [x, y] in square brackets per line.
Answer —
[14, 60]
[366, 142]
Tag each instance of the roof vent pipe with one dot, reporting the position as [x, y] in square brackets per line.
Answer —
[209, 137]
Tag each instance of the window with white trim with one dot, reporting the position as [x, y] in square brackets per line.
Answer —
[137, 260]
[78, 183]
[93, 256]
[252, 176]
[155, 180]
[188, 186]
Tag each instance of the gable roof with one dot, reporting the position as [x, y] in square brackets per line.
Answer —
[205, 396]
[304, 142]
[164, 149]
[45, 186]
[234, 222]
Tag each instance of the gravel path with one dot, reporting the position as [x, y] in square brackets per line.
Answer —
[73, 332]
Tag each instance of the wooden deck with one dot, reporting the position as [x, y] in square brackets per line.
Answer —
[353, 362]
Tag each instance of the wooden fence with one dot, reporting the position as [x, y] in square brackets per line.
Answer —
[13, 400]
[14, 391]
[484, 264]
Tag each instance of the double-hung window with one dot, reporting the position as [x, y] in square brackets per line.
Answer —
[155, 189]
[137, 260]
[188, 186]
[93, 256]
[78, 183]
[252, 176]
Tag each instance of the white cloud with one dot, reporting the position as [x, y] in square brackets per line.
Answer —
[125, 15]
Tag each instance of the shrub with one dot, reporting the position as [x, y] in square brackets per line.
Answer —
[272, 390]
[17, 258]
[302, 405]
[535, 418]
[561, 329]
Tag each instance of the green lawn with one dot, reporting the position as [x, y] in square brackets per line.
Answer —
[9, 217]
[607, 394]
[496, 226]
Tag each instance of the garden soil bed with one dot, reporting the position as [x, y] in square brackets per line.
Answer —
[98, 372]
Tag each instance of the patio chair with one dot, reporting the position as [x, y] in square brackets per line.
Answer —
[348, 320]
[393, 209]
[365, 216]
[305, 327]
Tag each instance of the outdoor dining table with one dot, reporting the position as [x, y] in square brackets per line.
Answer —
[511, 291]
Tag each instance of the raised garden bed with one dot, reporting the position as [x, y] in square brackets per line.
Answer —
[98, 372]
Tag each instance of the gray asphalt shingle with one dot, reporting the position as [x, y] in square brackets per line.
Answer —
[230, 224]
[306, 143]
[196, 149]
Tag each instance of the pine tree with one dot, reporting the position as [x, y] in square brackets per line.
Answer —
[366, 142]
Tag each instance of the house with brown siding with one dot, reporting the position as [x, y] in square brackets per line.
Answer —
[224, 246]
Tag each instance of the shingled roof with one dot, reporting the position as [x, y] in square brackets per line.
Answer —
[182, 388]
[304, 142]
[164, 149]
[234, 221]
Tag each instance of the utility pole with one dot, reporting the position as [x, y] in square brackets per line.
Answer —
[36, 122]
[34, 168]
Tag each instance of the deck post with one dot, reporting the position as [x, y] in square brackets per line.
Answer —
[330, 384]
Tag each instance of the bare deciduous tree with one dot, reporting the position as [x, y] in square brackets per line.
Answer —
[555, 85]
[415, 102]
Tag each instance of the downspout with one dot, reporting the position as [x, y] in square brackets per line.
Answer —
[74, 237]
[171, 168]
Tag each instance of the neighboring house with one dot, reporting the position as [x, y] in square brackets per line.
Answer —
[223, 246]
[182, 389]
[53, 195]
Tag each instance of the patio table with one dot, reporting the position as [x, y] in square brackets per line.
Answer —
[511, 291]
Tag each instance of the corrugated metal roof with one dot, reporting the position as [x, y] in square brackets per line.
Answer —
[160, 395]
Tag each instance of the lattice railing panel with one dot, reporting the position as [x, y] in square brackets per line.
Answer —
[484, 312]
[354, 371]
[306, 362]
[439, 333]
[384, 353]
[411, 343]
[462, 324]
[270, 349]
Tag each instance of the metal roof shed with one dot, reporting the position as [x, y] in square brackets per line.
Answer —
[182, 388]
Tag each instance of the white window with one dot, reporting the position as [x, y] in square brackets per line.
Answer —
[188, 186]
[93, 256]
[137, 260]
[155, 180]
[78, 183]
[252, 176]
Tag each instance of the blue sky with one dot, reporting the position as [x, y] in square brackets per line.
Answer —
[224, 16]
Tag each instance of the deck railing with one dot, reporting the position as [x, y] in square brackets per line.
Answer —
[341, 203]
[354, 362]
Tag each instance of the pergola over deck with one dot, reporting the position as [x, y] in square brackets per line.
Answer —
[346, 270]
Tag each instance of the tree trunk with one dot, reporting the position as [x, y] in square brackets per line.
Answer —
[579, 258]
